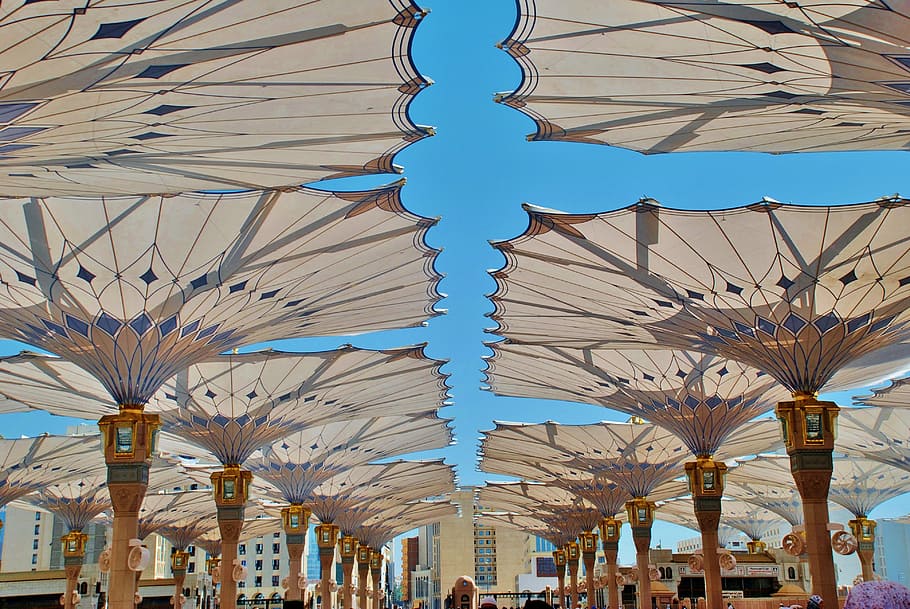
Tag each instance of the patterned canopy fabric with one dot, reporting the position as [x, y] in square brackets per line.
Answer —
[814, 296]
[861, 485]
[880, 434]
[299, 463]
[895, 395]
[382, 527]
[705, 75]
[550, 504]
[768, 483]
[353, 497]
[701, 398]
[131, 97]
[134, 290]
[31, 464]
[78, 500]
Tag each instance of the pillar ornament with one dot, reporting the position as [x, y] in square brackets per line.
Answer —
[179, 560]
[128, 439]
[588, 543]
[347, 548]
[863, 530]
[74, 544]
[756, 546]
[610, 529]
[231, 486]
[809, 428]
[641, 517]
[573, 553]
[326, 539]
[706, 483]
[561, 560]
[376, 573]
[211, 564]
[363, 573]
[73, 557]
[295, 520]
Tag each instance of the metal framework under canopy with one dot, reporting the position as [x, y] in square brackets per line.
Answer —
[132, 97]
[78, 500]
[754, 521]
[895, 395]
[861, 485]
[299, 463]
[814, 296]
[133, 290]
[381, 528]
[527, 523]
[701, 75]
[548, 503]
[768, 483]
[701, 398]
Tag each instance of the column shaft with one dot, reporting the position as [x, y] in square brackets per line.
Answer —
[611, 554]
[230, 523]
[589, 560]
[179, 578]
[708, 512]
[561, 585]
[642, 538]
[126, 499]
[326, 560]
[72, 568]
[296, 548]
[363, 574]
[347, 587]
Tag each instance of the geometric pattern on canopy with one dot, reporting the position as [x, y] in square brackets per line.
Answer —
[185, 532]
[553, 505]
[353, 497]
[766, 482]
[134, 290]
[232, 405]
[607, 496]
[532, 524]
[299, 463]
[752, 520]
[133, 97]
[663, 76]
[798, 292]
[701, 398]
[77, 501]
[32, 464]
[861, 485]
[637, 457]
[160, 509]
[382, 527]
[881, 434]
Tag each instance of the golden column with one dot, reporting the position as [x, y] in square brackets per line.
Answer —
[363, 573]
[376, 572]
[179, 560]
[641, 517]
[295, 519]
[231, 488]
[864, 531]
[808, 427]
[588, 543]
[326, 539]
[561, 560]
[706, 483]
[73, 557]
[347, 547]
[129, 444]
[573, 553]
[609, 538]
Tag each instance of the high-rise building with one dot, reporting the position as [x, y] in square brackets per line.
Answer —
[410, 557]
[892, 551]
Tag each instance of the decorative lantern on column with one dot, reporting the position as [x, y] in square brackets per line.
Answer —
[347, 547]
[179, 560]
[295, 519]
[573, 552]
[231, 486]
[363, 555]
[807, 423]
[706, 477]
[74, 544]
[588, 542]
[327, 536]
[560, 559]
[130, 436]
[756, 546]
[641, 512]
[609, 530]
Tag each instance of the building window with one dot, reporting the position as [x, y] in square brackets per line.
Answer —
[34, 544]
[791, 573]
[276, 565]
[669, 572]
[191, 550]
[276, 535]
[259, 565]
[37, 529]
[241, 584]
[275, 581]
[258, 581]
[258, 548]
[241, 549]
[37, 515]
[276, 548]
[34, 559]
[191, 568]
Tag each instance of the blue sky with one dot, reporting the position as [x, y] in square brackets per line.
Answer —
[478, 170]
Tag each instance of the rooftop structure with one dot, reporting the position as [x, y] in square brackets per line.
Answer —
[812, 296]
[709, 75]
[129, 99]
